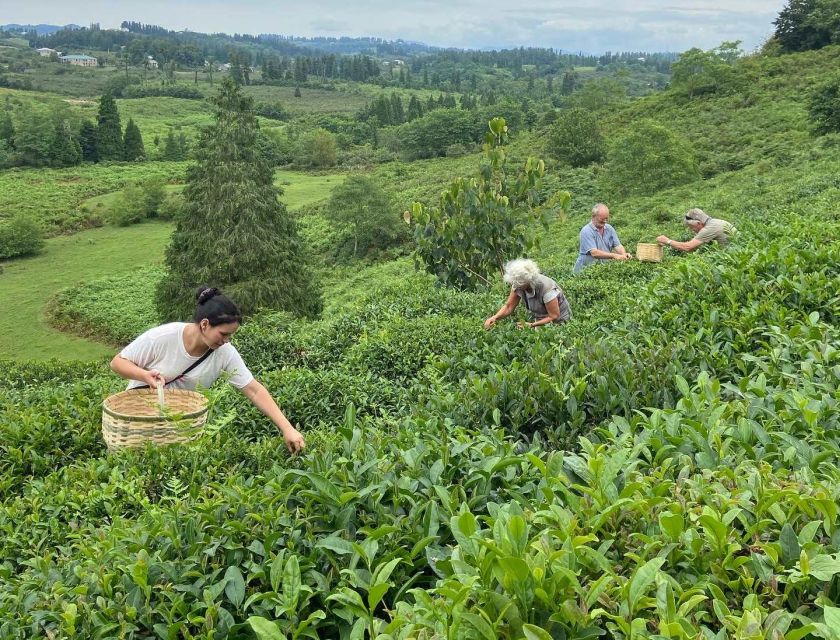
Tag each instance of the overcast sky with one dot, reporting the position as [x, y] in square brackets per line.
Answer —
[595, 26]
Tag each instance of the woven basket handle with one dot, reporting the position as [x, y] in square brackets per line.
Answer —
[160, 396]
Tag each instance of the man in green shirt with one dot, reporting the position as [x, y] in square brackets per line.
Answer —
[706, 229]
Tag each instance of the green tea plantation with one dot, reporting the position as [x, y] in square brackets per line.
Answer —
[664, 466]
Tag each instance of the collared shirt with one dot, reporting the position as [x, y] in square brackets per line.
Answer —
[590, 239]
[545, 290]
[718, 230]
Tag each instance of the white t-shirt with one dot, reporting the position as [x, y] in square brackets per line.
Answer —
[162, 348]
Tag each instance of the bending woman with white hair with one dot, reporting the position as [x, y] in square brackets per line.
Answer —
[545, 301]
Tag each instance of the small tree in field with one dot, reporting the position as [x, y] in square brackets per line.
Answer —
[575, 138]
[133, 143]
[482, 222]
[65, 150]
[109, 140]
[649, 158]
[234, 232]
[363, 207]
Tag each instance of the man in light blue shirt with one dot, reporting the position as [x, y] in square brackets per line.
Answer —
[599, 241]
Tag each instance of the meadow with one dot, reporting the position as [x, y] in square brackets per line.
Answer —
[663, 466]
[94, 253]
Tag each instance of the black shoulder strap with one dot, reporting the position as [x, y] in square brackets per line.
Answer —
[206, 355]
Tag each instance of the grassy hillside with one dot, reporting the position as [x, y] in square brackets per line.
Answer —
[665, 465]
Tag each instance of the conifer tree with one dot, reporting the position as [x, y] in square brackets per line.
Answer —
[7, 128]
[109, 140]
[65, 150]
[133, 143]
[415, 109]
[234, 233]
[87, 142]
[171, 149]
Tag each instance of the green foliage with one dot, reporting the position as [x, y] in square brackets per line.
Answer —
[824, 107]
[699, 72]
[599, 95]
[369, 218]
[7, 127]
[316, 148]
[663, 466]
[175, 147]
[87, 142]
[114, 310]
[109, 139]
[130, 207]
[20, 236]
[647, 159]
[234, 232]
[172, 91]
[66, 150]
[154, 194]
[34, 136]
[133, 143]
[808, 24]
[482, 222]
[431, 134]
[575, 138]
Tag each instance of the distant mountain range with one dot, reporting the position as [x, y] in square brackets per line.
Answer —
[40, 29]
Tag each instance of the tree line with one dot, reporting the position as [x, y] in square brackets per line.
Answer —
[41, 137]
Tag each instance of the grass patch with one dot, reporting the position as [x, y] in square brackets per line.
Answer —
[29, 284]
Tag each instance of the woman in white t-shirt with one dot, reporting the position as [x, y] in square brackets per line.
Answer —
[189, 354]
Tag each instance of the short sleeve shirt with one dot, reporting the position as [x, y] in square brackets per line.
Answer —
[545, 290]
[717, 230]
[162, 348]
[590, 239]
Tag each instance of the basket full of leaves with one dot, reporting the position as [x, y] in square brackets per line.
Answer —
[160, 416]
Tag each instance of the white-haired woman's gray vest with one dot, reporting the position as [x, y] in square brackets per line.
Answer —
[534, 299]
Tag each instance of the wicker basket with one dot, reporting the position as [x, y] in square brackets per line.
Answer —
[132, 418]
[649, 252]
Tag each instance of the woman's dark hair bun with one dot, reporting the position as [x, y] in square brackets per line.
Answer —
[216, 307]
[205, 293]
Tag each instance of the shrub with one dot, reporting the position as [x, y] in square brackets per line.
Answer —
[130, 207]
[154, 194]
[271, 110]
[171, 207]
[824, 107]
[316, 148]
[171, 91]
[647, 159]
[20, 236]
[431, 134]
[575, 138]
[368, 216]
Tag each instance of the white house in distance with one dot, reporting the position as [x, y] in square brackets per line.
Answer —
[46, 52]
[79, 61]
[151, 63]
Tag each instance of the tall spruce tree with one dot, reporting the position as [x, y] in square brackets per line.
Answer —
[171, 149]
[65, 150]
[234, 232]
[87, 141]
[109, 140]
[133, 143]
